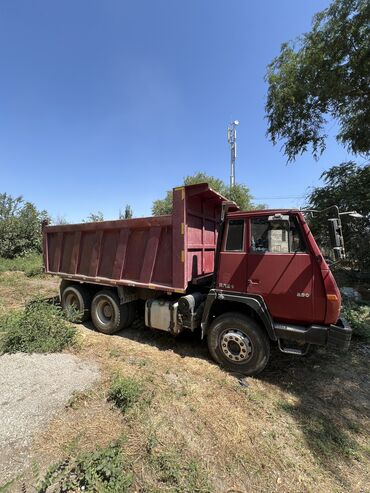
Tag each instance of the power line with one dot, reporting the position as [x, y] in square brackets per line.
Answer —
[281, 198]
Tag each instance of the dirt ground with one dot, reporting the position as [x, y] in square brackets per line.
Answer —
[302, 426]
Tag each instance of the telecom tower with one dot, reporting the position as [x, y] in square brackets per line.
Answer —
[231, 138]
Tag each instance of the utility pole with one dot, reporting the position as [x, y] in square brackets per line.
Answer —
[231, 138]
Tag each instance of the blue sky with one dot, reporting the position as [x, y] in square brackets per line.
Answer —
[109, 102]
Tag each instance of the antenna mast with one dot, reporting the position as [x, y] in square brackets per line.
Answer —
[231, 138]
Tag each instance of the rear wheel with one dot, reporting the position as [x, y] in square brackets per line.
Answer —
[108, 315]
[238, 344]
[76, 301]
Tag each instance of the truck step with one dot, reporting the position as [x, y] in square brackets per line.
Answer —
[298, 351]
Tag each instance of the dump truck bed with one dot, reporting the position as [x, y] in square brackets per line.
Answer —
[163, 252]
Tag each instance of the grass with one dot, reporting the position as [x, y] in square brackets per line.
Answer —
[103, 470]
[302, 423]
[124, 392]
[30, 264]
[38, 328]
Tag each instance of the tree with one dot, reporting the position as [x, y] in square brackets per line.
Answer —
[325, 73]
[20, 226]
[239, 193]
[94, 217]
[127, 214]
[348, 187]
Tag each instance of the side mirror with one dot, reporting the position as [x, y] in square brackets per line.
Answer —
[336, 238]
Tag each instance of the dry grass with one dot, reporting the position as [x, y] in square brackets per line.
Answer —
[303, 426]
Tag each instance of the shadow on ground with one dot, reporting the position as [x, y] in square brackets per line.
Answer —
[333, 400]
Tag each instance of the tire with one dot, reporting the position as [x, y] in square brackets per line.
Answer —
[108, 315]
[238, 344]
[76, 297]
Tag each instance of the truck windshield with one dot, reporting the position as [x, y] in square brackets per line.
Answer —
[276, 236]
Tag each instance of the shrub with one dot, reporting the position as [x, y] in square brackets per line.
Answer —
[39, 328]
[358, 317]
[100, 471]
[124, 392]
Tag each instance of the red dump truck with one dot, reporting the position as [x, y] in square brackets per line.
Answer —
[246, 279]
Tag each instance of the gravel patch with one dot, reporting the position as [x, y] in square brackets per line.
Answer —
[33, 388]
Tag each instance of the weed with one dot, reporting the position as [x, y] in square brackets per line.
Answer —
[72, 314]
[39, 328]
[114, 353]
[178, 474]
[79, 398]
[5, 488]
[30, 264]
[124, 392]
[103, 471]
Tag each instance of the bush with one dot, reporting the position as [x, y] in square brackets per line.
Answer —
[101, 471]
[358, 317]
[39, 328]
[124, 392]
[30, 264]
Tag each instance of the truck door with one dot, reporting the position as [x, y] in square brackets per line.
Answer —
[280, 268]
[232, 263]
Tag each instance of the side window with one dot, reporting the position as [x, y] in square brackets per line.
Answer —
[235, 235]
[276, 236]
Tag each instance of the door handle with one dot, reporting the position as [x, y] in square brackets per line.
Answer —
[253, 281]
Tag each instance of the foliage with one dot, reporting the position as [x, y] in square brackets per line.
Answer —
[94, 217]
[100, 471]
[326, 73]
[239, 193]
[348, 187]
[39, 328]
[358, 317]
[20, 227]
[124, 392]
[127, 214]
[30, 264]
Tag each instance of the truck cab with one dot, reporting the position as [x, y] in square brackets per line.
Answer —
[273, 254]
[271, 273]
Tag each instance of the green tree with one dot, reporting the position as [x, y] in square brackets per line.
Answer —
[20, 226]
[239, 193]
[348, 187]
[127, 214]
[325, 73]
[94, 217]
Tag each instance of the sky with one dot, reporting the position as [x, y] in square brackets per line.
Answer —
[112, 102]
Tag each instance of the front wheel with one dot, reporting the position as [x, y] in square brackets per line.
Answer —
[238, 344]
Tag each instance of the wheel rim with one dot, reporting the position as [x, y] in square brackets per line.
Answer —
[104, 311]
[236, 346]
[72, 300]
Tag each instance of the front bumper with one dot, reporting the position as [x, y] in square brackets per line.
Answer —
[334, 336]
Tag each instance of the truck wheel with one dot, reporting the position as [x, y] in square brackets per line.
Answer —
[76, 298]
[108, 315]
[238, 344]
